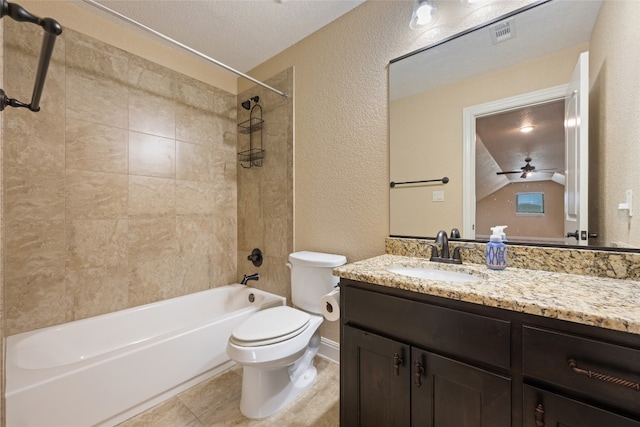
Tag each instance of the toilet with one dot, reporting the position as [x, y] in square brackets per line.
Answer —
[276, 346]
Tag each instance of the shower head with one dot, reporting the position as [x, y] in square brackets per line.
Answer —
[247, 104]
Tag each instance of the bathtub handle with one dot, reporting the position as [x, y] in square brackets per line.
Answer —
[256, 257]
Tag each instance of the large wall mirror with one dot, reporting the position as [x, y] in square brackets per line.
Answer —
[534, 118]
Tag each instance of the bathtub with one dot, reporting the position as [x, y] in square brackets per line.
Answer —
[102, 370]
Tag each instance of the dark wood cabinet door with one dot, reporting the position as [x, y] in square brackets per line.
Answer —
[449, 393]
[375, 380]
[545, 409]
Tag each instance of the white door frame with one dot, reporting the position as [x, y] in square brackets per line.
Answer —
[469, 116]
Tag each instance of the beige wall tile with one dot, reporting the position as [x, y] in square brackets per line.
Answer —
[265, 194]
[151, 239]
[94, 147]
[34, 166]
[193, 272]
[250, 233]
[151, 155]
[33, 146]
[151, 197]
[96, 243]
[194, 93]
[225, 240]
[96, 99]
[151, 114]
[152, 280]
[34, 247]
[196, 126]
[34, 301]
[147, 77]
[194, 162]
[94, 58]
[224, 269]
[225, 197]
[194, 198]
[275, 200]
[96, 220]
[96, 195]
[36, 197]
[94, 291]
[277, 231]
[194, 235]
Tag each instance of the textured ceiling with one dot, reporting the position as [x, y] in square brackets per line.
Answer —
[545, 29]
[239, 33]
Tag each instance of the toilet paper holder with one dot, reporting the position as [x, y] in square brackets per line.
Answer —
[329, 307]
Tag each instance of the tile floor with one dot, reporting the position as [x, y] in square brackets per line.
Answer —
[216, 403]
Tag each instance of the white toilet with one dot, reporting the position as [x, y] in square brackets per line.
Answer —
[276, 346]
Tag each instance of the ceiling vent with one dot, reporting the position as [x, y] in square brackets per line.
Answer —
[503, 31]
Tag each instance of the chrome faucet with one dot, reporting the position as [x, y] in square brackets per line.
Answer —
[246, 278]
[443, 255]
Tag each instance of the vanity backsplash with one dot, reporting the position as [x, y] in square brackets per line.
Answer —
[617, 265]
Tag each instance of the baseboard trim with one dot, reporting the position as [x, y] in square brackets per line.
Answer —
[329, 350]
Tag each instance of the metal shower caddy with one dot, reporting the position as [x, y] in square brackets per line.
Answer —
[254, 156]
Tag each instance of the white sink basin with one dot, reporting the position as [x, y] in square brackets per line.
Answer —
[431, 274]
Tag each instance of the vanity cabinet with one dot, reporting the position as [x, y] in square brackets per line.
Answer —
[401, 385]
[410, 359]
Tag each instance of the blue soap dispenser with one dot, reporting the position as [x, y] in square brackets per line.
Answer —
[496, 252]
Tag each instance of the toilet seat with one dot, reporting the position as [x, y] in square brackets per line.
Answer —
[270, 326]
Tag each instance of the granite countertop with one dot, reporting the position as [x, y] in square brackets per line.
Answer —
[603, 302]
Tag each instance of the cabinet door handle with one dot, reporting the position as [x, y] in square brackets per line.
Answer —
[603, 377]
[538, 415]
[419, 370]
[397, 361]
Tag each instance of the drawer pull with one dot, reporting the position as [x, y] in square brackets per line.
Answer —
[418, 374]
[603, 377]
[397, 361]
[538, 415]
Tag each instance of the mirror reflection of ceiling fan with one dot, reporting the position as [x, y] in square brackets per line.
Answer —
[526, 170]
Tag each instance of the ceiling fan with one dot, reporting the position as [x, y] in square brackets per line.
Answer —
[526, 170]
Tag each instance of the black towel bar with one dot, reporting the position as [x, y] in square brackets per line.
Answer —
[52, 29]
[443, 180]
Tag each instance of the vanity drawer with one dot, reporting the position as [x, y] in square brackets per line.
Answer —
[567, 361]
[542, 408]
[451, 332]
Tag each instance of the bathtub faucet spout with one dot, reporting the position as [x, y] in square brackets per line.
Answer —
[246, 278]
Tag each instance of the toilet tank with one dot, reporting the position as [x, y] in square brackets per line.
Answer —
[311, 278]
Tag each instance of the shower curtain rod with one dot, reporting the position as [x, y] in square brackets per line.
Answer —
[177, 43]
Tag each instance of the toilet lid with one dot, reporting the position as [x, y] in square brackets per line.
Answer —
[271, 325]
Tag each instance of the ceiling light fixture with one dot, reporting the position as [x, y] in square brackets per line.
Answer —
[424, 14]
[526, 129]
[470, 3]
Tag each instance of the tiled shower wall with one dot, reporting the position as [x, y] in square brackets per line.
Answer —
[265, 194]
[121, 191]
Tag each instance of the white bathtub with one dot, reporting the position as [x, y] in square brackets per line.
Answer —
[105, 369]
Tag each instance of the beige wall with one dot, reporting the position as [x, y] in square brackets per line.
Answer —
[426, 130]
[121, 191]
[499, 208]
[614, 128]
